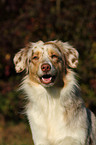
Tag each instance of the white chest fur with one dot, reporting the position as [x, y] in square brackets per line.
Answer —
[47, 117]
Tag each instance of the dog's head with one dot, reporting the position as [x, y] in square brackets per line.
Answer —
[46, 62]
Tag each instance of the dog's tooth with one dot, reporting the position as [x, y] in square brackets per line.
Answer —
[46, 80]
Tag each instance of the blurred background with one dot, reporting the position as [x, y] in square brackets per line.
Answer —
[22, 21]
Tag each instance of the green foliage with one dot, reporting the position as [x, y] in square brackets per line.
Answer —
[24, 21]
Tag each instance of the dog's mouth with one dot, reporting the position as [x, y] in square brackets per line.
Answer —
[47, 79]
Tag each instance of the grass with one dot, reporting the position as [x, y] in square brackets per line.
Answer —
[11, 134]
[15, 144]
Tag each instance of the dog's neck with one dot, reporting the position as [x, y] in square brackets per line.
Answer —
[68, 95]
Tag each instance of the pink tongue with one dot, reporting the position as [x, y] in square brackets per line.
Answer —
[46, 80]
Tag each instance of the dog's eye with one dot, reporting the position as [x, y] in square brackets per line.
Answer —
[54, 56]
[35, 57]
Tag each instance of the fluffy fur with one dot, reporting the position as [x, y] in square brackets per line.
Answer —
[55, 109]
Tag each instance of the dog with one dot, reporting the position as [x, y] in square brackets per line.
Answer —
[55, 109]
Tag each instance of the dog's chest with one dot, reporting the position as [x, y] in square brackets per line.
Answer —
[47, 115]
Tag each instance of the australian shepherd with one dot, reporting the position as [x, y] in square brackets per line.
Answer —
[55, 109]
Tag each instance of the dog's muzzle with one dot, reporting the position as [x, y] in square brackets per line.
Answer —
[47, 74]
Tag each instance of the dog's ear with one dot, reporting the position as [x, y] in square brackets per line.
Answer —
[71, 54]
[20, 60]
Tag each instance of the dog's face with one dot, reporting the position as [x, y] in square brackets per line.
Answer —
[46, 62]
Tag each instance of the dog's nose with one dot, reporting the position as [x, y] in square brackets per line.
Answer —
[45, 67]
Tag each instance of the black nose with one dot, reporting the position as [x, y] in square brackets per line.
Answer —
[45, 67]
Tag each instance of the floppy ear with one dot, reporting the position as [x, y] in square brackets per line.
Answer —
[71, 54]
[20, 60]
